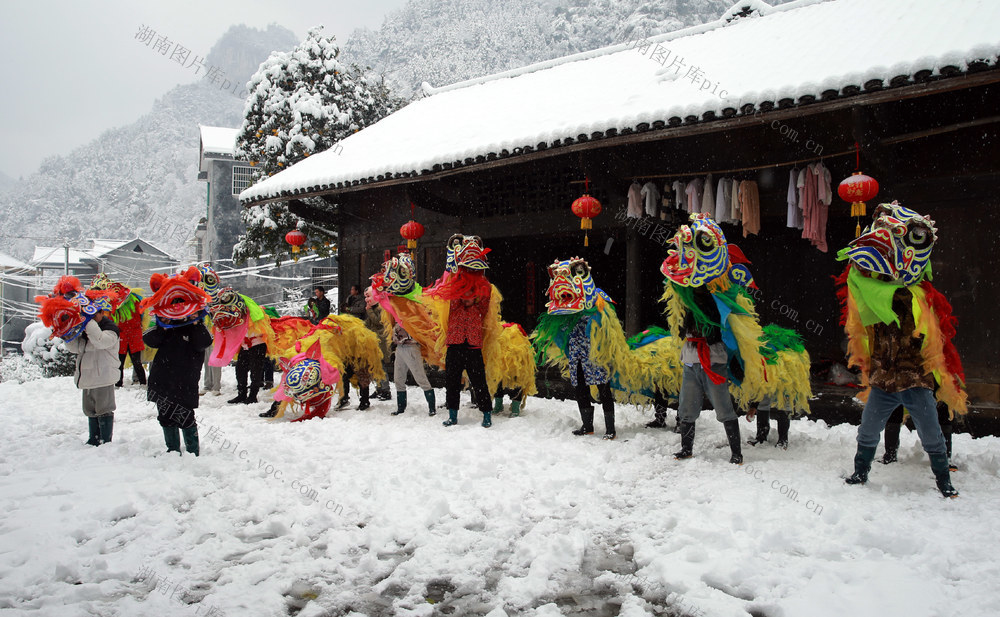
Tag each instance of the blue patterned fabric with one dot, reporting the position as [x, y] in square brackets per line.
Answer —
[579, 351]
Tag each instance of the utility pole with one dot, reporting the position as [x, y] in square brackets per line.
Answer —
[66, 257]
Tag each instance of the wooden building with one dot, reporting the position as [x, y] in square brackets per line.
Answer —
[911, 90]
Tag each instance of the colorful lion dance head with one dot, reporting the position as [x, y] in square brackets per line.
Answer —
[228, 309]
[309, 381]
[572, 288]
[701, 255]
[896, 246]
[68, 309]
[466, 252]
[399, 275]
[210, 281]
[177, 300]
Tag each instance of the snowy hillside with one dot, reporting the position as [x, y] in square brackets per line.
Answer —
[106, 188]
[6, 182]
[366, 514]
[442, 42]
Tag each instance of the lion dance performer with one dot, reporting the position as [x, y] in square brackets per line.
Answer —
[581, 333]
[180, 339]
[128, 318]
[899, 331]
[82, 321]
[239, 325]
[473, 337]
[724, 348]
[409, 323]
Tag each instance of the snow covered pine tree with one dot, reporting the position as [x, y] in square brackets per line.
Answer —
[302, 102]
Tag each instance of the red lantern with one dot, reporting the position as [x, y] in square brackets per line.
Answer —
[586, 207]
[411, 232]
[858, 189]
[296, 238]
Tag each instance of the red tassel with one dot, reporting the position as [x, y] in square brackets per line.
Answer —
[841, 283]
[947, 322]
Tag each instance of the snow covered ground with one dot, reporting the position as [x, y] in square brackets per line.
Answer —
[368, 514]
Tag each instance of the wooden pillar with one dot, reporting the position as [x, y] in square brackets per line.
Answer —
[633, 297]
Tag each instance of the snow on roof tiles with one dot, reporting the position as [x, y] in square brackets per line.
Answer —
[800, 49]
[218, 140]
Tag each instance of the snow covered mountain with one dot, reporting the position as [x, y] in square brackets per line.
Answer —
[107, 188]
[6, 182]
[444, 41]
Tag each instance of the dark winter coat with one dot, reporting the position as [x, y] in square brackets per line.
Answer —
[176, 368]
[319, 308]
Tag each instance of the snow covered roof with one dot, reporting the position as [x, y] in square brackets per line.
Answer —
[12, 263]
[803, 51]
[48, 255]
[218, 140]
[103, 247]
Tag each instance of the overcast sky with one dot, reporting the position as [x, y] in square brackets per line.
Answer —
[71, 69]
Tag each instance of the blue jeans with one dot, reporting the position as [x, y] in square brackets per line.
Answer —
[922, 407]
[695, 384]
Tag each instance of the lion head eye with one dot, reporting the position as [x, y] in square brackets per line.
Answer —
[919, 237]
[579, 268]
[455, 241]
[704, 241]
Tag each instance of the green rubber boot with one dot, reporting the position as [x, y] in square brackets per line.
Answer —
[429, 397]
[515, 408]
[497, 404]
[452, 418]
[191, 439]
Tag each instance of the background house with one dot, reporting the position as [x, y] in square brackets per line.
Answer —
[222, 226]
[910, 94]
[130, 262]
[17, 293]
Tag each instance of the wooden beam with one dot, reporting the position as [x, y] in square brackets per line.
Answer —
[939, 130]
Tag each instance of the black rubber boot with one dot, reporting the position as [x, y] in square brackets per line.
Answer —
[939, 465]
[687, 440]
[659, 418]
[95, 432]
[609, 422]
[587, 415]
[191, 439]
[107, 426]
[452, 418]
[252, 396]
[172, 437]
[733, 435]
[400, 402]
[862, 465]
[891, 437]
[270, 413]
[241, 397]
[947, 431]
[365, 402]
[784, 423]
[429, 397]
[763, 427]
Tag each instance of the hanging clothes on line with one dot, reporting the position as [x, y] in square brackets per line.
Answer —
[723, 197]
[793, 218]
[680, 194]
[634, 210]
[750, 207]
[652, 197]
[815, 197]
[708, 197]
[694, 190]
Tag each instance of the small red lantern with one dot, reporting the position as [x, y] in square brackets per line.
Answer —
[296, 238]
[411, 232]
[858, 189]
[586, 207]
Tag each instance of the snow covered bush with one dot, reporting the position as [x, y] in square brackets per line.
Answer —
[47, 353]
[302, 102]
[19, 368]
